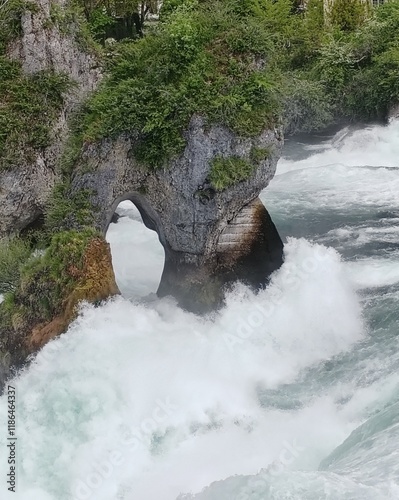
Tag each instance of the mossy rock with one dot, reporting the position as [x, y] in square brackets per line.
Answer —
[76, 267]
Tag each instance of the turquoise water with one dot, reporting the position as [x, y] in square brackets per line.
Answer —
[292, 393]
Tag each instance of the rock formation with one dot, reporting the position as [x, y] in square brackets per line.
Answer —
[211, 237]
[44, 45]
[27, 327]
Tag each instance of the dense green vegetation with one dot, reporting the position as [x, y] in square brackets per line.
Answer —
[65, 210]
[118, 19]
[244, 63]
[10, 21]
[29, 106]
[204, 58]
[348, 15]
[14, 253]
[49, 278]
[44, 280]
[247, 64]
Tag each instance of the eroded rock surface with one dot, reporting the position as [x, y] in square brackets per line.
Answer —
[211, 237]
[43, 45]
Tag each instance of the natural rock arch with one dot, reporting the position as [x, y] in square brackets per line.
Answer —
[148, 215]
[211, 237]
[138, 256]
[212, 234]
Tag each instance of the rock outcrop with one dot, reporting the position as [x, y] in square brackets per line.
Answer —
[213, 233]
[211, 237]
[45, 45]
[28, 328]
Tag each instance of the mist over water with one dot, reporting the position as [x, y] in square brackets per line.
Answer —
[140, 400]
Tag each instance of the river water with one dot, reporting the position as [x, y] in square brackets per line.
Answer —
[292, 393]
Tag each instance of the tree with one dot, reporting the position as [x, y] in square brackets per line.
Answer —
[118, 18]
[347, 15]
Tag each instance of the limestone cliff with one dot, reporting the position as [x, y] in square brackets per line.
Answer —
[45, 45]
[41, 308]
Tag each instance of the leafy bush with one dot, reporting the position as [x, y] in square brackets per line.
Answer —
[226, 172]
[259, 154]
[14, 253]
[205, 59]
[10, 20]
[100, 22]
[359, 70]
[66, 210]
[47, 280]
[30, 103]
[348, 15]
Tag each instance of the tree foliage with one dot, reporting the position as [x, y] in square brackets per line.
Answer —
[246, 64]
[109, 17]
[348, 15]
[204, 58]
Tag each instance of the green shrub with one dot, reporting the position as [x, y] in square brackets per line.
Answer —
[68, 211]
[30, 104]
[169, 6]
[10, 21]
[348, 15]
[53, 281]
[259, 154]
[48, 279]
[99, 23]
[226, 172]
[306, 105]
[14, 253]
[206, 60]
[360, 69]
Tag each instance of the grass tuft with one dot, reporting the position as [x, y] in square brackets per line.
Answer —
[226, 172]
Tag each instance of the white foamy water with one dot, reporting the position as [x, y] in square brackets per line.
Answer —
[338, 187]
[131, 360]
[375, 145]
[137, 255]
[367, 273]
[140, 400]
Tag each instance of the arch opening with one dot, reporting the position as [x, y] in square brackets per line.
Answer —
[138, 256]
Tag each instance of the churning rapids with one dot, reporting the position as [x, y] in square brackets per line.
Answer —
[292, 393]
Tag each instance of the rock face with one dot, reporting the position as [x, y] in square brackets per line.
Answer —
[43, 45]
[47, 43]
[211, 237]
[23, 194]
